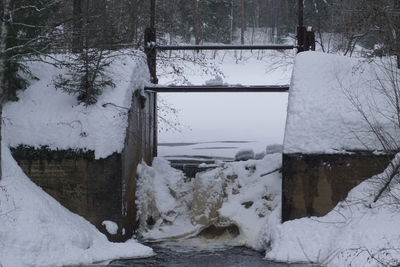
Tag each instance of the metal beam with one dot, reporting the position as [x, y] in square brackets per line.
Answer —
[224, 47]
[219, 89]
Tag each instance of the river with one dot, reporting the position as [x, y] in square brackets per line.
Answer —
[176, 255]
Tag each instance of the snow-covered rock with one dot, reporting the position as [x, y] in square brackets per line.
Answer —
[37, 231]
[244, 154]
[111, 227]
[216, 81]
[234, 194]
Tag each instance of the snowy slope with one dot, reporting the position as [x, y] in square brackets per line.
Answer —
[357, 232]
[37, 231]
[44, 116]
[325, 92]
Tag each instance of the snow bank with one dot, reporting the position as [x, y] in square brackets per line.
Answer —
[325, 93]
[44, 116]
[237, 193]
[37, 231]
[357, 232]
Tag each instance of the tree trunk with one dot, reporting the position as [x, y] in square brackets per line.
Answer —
[197, 23]
[3, 59]
[232, 14]
[77, 27]
[243, 21]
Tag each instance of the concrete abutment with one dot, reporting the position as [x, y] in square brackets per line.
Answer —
[97, 189]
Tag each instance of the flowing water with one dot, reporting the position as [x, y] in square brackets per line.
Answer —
[177, 255]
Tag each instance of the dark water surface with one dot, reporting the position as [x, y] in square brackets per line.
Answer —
[219, 257]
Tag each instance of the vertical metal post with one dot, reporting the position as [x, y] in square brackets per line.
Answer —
[301, 30]
[301, 13]
[150, 38]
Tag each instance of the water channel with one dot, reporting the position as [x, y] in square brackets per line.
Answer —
[177, 255]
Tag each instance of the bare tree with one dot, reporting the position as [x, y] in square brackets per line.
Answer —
[3, 59]
[24, 35]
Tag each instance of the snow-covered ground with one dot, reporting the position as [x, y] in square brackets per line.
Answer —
[37, 231]
[45, 116]
[357, 232]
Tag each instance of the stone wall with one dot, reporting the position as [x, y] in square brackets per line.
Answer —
[102, 189]
[312, 184]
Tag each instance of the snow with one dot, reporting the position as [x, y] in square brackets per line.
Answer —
[37, 231]
[44, 116]
[357, 232]
[233, 194]
[244, 154]
[325, 92]
[111, 227]
[275, 148]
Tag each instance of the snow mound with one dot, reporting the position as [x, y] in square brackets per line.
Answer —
[218, 80]
[235, 194]
[357, 232]
[326, 94]
[111, 227]
[37, 231]
[244, 154]
[44, 116]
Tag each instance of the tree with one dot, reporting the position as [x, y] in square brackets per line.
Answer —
[3, 62]
[86, 74]
[25, 34]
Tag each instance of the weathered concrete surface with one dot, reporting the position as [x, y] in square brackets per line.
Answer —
[88, 187]
[312, 184]
[102, 189]
[139, 146]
